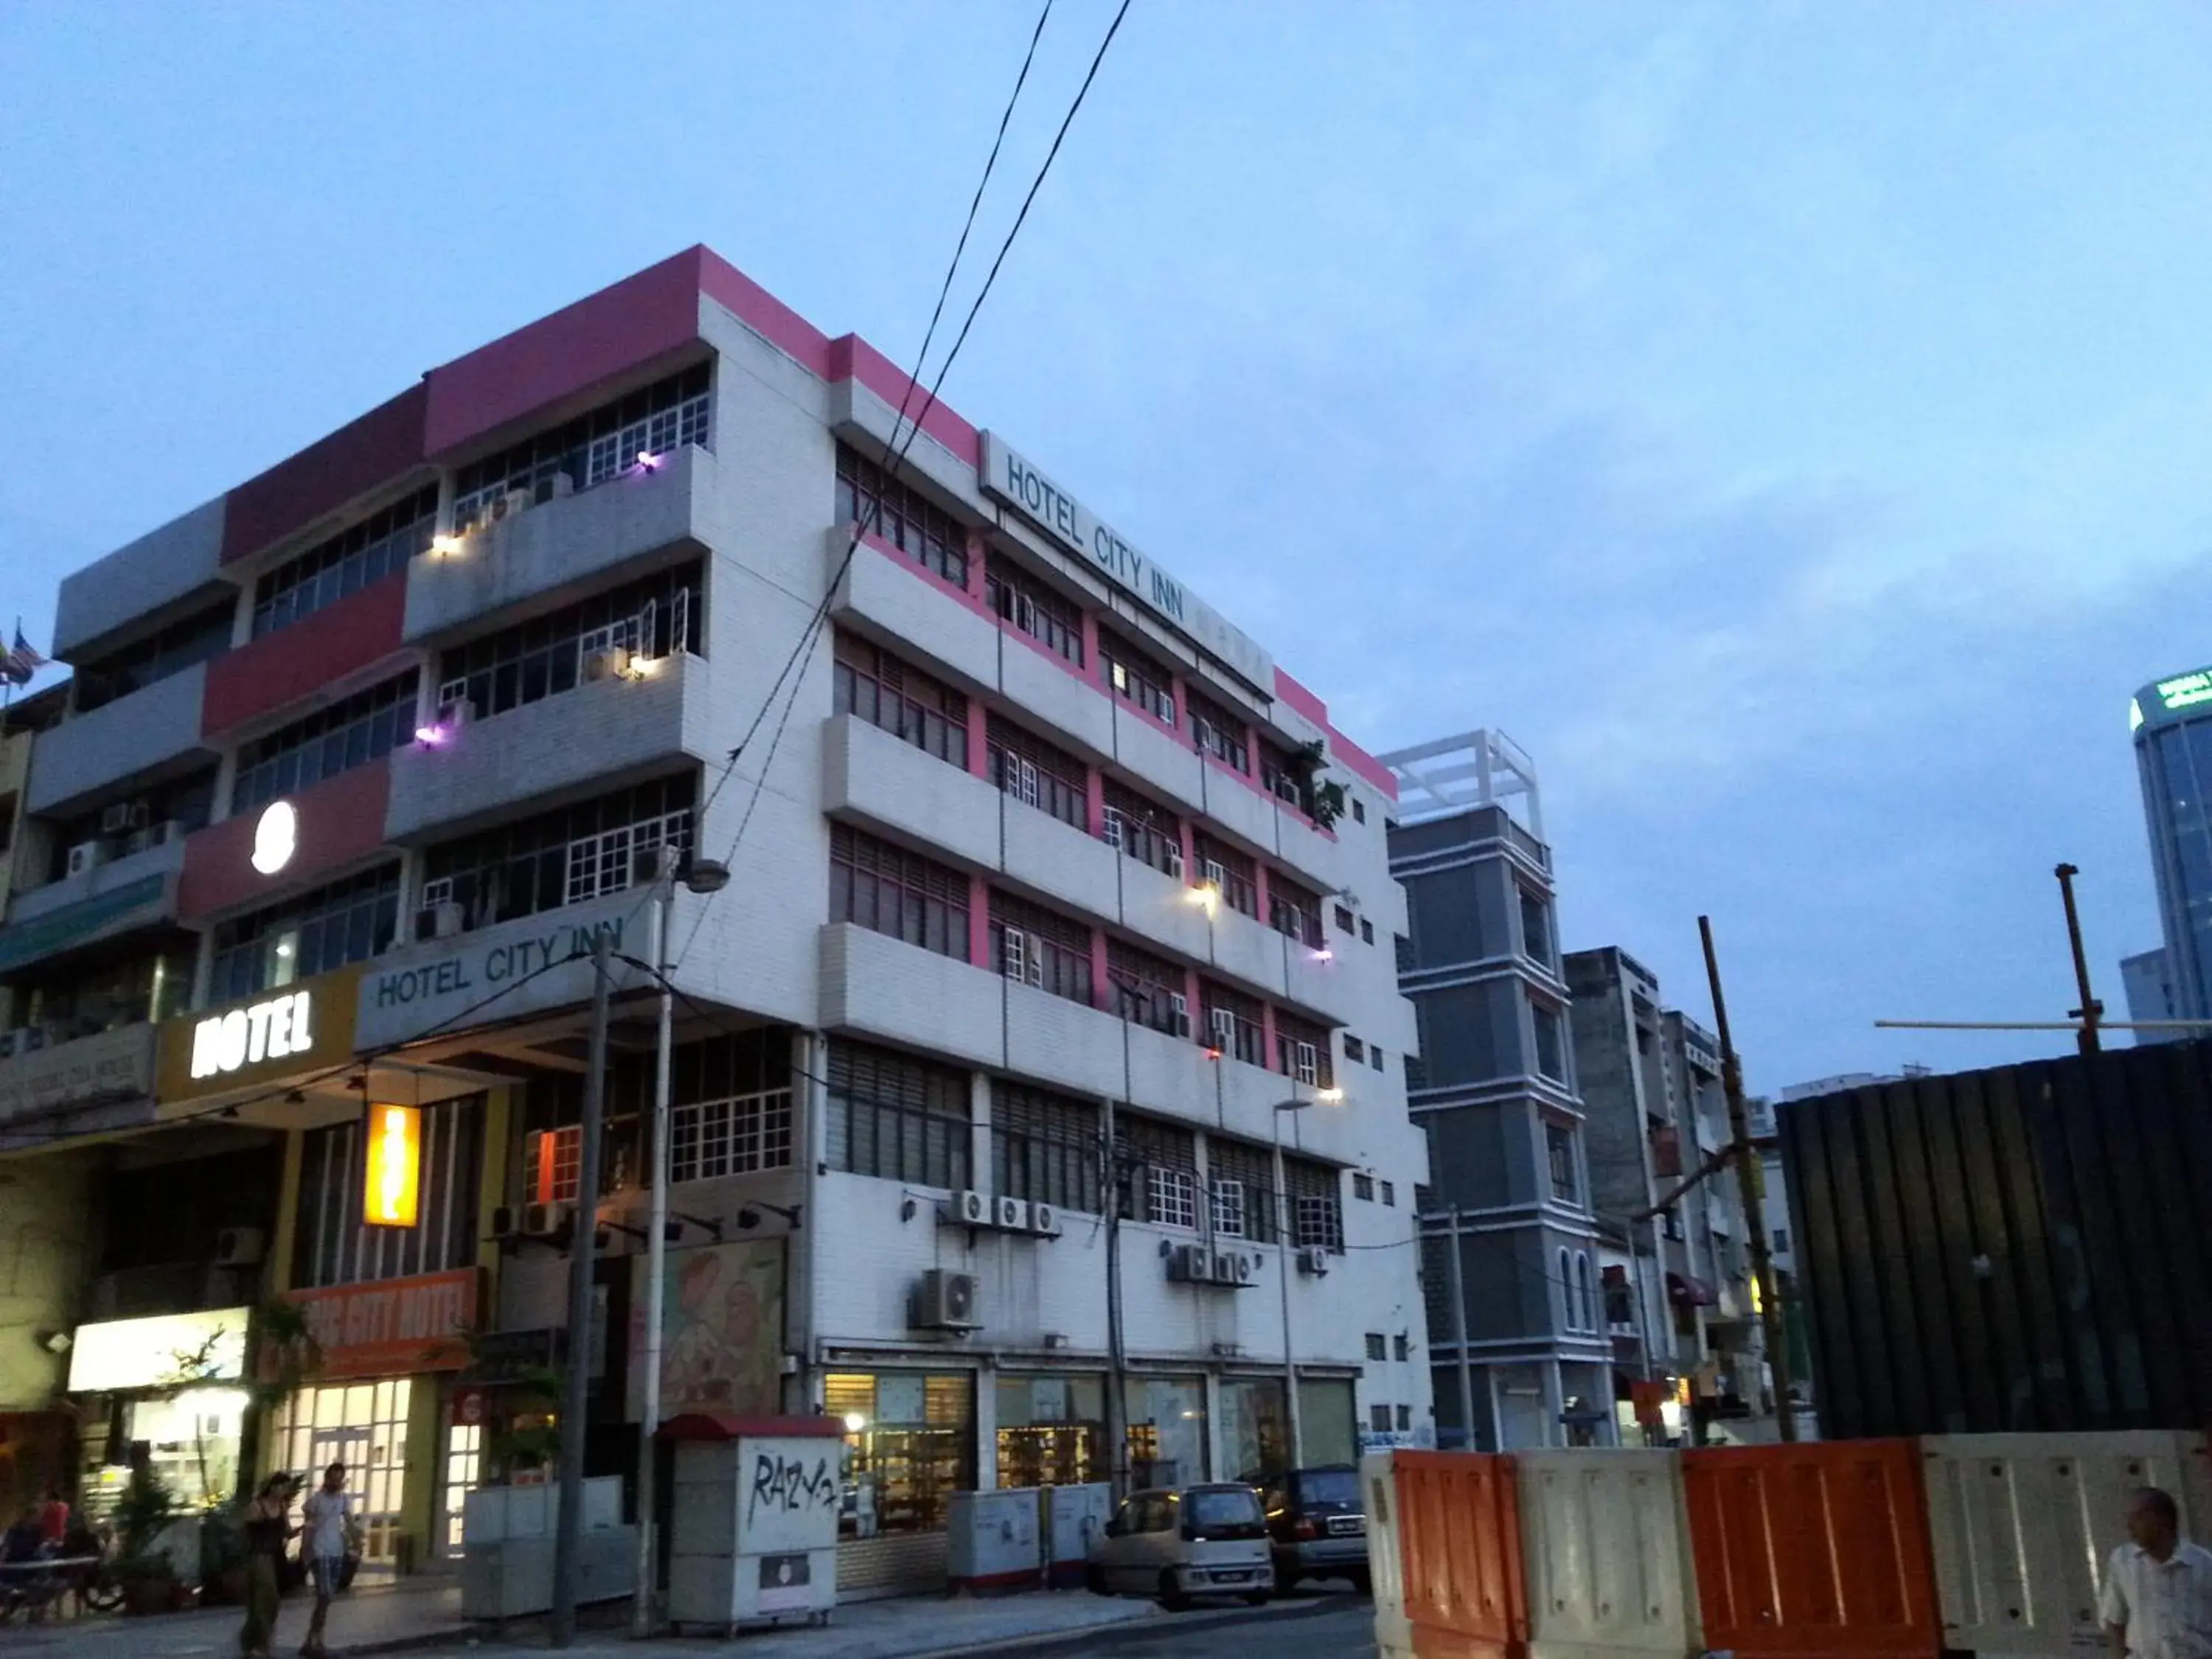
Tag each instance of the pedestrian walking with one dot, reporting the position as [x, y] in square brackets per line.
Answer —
[2157, 1602]
[268, 1526]
[328, 1515]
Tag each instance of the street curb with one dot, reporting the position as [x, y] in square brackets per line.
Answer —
[1099, 1637]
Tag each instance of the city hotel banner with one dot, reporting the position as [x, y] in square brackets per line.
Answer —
[391, 1326]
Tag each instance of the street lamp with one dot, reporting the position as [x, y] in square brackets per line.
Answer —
[700, 876]
[1285, 1233]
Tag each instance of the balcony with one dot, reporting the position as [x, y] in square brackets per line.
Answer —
[144, 736]
[1165, 765]
[1248, 949]
[1056, 691]
[168, 567]
[106, 1068]
[1237, 806]
[112, 898]
[1171, 1075]
[598, 736]
[1159, 909]
[876, 985]
[897, 600]
[870, 776]
[559, 548]
[1059, 860]
[1064, 1044]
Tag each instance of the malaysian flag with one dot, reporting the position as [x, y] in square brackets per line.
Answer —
[20, 662]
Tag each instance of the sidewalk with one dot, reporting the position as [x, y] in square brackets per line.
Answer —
[423, 1615]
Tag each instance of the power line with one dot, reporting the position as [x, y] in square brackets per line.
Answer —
[803, 651]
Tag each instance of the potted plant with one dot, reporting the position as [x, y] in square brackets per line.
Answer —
[148, 1576]
[222, 1554]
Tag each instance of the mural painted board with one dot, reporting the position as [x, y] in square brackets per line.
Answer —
[721, 1331]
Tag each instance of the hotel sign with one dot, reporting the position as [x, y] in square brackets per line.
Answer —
[495, 973]
[1007, 477]
[392, 1327]
[302, 1027]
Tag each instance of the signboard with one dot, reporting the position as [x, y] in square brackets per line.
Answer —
[283, 1032]
[160, 1351]
[1005, 475]
[391, 1182]
[135, 902]
[392, 1327]
[116, 1065]
[539, 962]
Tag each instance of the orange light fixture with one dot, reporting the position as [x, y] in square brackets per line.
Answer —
[391, 1193]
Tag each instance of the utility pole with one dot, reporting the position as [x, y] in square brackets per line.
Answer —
[1283, 1234]
[1750, 1184]
[642, 1606]
[2090, 1010]
[1117, 1389]
[1459, 1338]
[582, 1246]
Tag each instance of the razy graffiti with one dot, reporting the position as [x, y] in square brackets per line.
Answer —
[790, 1484]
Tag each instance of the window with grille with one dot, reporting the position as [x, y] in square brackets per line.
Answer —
[1045, 1148]
[1232, 1023]
[1217, 731]
[1249, 1172]
[909, 704]
[1134, 677]
[548, 655]
[1363, 1187]
[881, 886]
[553, 1164]
[902, 515]
[1293, 911]
[1035, 609]
[1148, 833]
[1316, 1203]
[1390, 1193]
[739, 1135]
[1037, 774]
[350, 733]
[1303, 1051]
[602, 444]
[1232, 872]
[541, 863]
[897, 1117]
[1378, 1418]
[1279, 775]
[312, 932]
[1040, 947]
[1228, 1196]
[1353, 1048]
[1156, 1167]
[1559, 1150]
[1342, 917]
[1377, 1347]
[1551, 1045]
[1148, 989]
[189, 640]
[357, 556]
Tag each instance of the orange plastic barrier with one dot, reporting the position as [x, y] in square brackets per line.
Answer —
[1813, 1551]
[1459, 1540]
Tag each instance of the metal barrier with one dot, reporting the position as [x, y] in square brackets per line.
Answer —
[1812, 1551]
[1459, 1531]
[2022, 1525]
[1607, 1551]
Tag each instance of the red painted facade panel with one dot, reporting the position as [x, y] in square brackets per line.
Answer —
[341, 821]
[355, 459]
[852, 358]
[598, 337]
[298, 661]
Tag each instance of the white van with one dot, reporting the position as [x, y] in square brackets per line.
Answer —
[1178, 1542]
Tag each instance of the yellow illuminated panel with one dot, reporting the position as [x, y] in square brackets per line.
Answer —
[394, 1186]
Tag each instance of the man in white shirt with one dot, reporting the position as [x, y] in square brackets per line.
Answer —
[2157, 1602]
[326, 1518]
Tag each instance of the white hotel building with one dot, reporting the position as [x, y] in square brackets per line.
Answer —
[1047, 849]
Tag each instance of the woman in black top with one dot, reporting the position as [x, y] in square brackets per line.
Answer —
[268, 1526]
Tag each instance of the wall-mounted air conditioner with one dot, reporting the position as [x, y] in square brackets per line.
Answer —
[1044, 1221]
[87, 856]
[543, 1220]
[608, 662]
[1174, 861]
[967, 1209]
[1012, 1215]
[114, 820]
[239, 1247]
[1179, 1013]
[945, 1300]
[1313, 1259]
[1221, 1025]
[1191, 1264]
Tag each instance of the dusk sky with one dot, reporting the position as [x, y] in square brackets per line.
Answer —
[1787, 421]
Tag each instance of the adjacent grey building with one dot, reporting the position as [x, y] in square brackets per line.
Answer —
[2172, 722]
[1518, 1329]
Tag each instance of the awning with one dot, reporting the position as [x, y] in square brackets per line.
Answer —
[1687, 1290]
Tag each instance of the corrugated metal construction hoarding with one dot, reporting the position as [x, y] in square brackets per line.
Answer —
[1812, 1551]
[2026, 1248]
[1607, 1553]
[2022, 1525]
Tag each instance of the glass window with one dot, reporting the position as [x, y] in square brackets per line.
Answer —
[1035, 609]
[1038, 774]
[1551, 1049]
[650, 618]
[1144, 831]
[1228, 872]
[1303, 1051]
[897, 1117]
[1377, 1345]
[1148, 989]
[1293, 911]
[740, 1134]
[1232, 1026]
[882, 887]
[1560, 1148]
[1136, 678]
[1536, 927]
[325, 927]
[363, 1426]
[1052, 1430]
[1156, 1163]
[1040, 947]
[1362, 1187]
[350, 733]
[198, 638]
[671, 413]
[1168, 1432]
[1317, 1203]
[907, 703]
[1242, 1181]
[1215, 730]
[558, 858]
[909, 1445]
[358, 556]
[902, 515]
[1045, 1147]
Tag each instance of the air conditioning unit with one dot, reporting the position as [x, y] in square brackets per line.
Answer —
[1012, 1214]
[455, 713]
[239, 1247]
[1201, 732]
[512, 502]
[556, 488]
[1221, 1025]
[87, 855]
[945, 1300]
[1216, 876]
[543, 1220]
[1313, 1259]
[1191, 1264]
[505, 1221]
[114, 820]
[1044, 1221]
[446, 920]
[608, 662]
[136, 841]
[968, 1208]
[1179, 1013]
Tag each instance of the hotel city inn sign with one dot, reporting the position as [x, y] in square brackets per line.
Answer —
[284, 1032]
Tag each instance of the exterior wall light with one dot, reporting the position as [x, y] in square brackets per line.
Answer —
[445, 547]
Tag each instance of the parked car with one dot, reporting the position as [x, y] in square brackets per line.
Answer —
[1175, 1543]
[1317, 1526]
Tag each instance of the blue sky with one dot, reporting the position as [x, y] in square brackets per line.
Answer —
[1788, 422]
